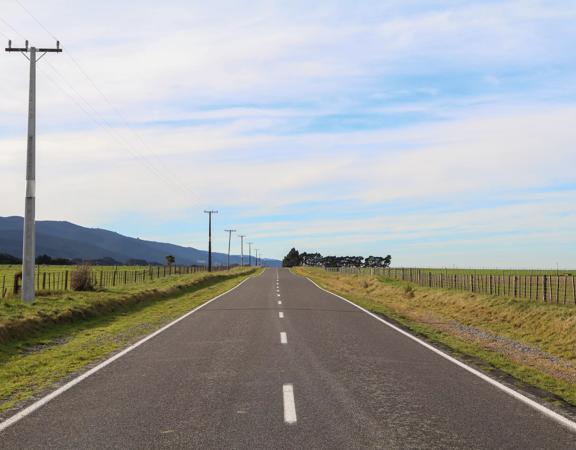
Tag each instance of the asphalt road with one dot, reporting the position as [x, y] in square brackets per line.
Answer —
[236, 374]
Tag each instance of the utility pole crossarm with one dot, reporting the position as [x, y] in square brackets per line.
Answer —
[26, 49]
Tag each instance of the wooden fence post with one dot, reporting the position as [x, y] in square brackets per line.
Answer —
[544, 287]
[16, 287]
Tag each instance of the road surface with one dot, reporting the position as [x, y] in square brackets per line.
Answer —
[280, 364]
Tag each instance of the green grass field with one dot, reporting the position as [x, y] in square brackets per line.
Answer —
[56, 278]
[10, 269]
[519, 272]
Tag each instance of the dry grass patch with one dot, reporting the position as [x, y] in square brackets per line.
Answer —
[534, 342]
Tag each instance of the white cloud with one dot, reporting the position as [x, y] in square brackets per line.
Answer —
[239, 80]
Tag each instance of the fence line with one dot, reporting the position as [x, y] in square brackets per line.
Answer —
[552, 289]
[59, 281]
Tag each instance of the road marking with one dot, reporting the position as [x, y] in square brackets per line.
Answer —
[281, 315]
[517, 395]
[279, 302]
[278, 295]
[283, 338]
[37, 405]
[289, 404]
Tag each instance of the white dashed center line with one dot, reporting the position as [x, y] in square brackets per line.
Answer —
[289, 404]
[283, 338]
[279, 302]
[281, 315]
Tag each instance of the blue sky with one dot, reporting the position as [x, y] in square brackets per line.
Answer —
[441, 132]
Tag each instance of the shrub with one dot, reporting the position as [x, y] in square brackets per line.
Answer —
[408, 291]
[81, 278]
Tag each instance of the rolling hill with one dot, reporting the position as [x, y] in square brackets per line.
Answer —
[67, 240]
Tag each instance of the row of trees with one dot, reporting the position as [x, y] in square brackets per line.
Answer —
[295, 258]
[47, 260]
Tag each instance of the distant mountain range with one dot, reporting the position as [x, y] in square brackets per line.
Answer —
[67, 240]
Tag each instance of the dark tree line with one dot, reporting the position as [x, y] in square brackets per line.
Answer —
[295, 258]
[9, 259]
[47, 260]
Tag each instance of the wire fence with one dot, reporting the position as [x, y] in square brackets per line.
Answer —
[544, 288]
[58, 281]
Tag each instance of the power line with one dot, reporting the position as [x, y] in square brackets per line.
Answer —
[112, 132]
[173, 179]
[12, 28]
[127, 125]
[36, 20]
[101, 122]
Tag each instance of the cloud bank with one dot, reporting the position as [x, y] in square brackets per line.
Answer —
[441, 132]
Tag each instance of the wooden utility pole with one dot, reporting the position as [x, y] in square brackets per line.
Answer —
[229, 242]
[210, 238]
[29, 235]
[242, 236]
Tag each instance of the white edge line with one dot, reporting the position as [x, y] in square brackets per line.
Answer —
[518, 396]
[38, 404]
[289, 404]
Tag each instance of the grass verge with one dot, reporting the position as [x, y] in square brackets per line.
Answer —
[534, 343]
[18, 319]
[110, 321]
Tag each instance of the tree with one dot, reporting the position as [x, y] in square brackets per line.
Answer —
[310, 259]
[44, 259]
[9, 259]
[387, 261]
[47, 260]
[291, 259]
[170, 260]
